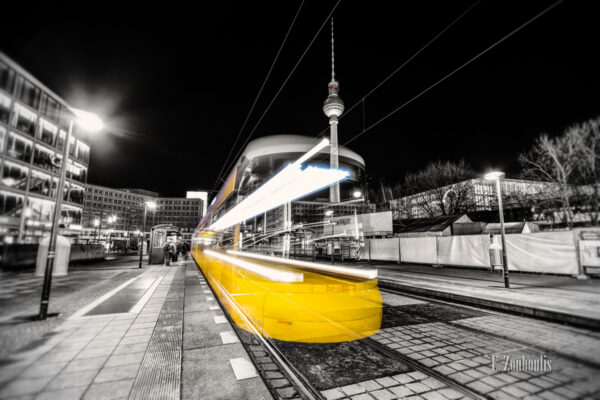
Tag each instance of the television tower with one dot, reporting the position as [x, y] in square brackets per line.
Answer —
[333, 107]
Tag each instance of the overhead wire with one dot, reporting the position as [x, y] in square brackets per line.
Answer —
[259, 92]
[505, 37]
[282, 86]
[362, 100]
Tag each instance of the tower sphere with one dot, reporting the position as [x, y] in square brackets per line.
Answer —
[333, 106]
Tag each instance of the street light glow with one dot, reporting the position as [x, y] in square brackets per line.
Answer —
[151, 205]
[357, 194]
[329, 213]
[492, 176]
[88, 121]
[96, 222]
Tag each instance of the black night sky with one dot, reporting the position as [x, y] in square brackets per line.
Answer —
[174, 83]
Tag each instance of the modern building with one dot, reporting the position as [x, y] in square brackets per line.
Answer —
[33, 127]
[119, 213]
[471, 196]
[199, 194]
[262, 159]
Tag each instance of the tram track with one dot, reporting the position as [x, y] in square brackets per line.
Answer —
[272, 364]
[284, 369]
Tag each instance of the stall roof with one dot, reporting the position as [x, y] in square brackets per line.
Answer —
[431, 224]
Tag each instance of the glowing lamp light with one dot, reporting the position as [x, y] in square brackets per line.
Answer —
[357, 194]
[348, 271]
[492, 176]
[329, 213]
[96, 222]
[88, 121]
[270, 273]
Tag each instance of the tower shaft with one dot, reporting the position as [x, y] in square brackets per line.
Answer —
[334, 190]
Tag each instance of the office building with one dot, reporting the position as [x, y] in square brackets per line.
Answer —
[33, 127]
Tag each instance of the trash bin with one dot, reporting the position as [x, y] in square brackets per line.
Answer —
[61, 257]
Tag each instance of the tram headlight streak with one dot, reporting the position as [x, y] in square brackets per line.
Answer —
[349, 271]
[267, 272]
[291, 183]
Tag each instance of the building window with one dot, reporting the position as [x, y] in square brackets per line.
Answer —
[40, 183]
[30, 94]
[13, 205]
[7, 78]
[5, 103]
[24, 119]
[47, 132]
[14, 175]
[43, 158]
[19, 147]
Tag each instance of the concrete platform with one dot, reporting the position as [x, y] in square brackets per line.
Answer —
[555, 298]
[152, 337]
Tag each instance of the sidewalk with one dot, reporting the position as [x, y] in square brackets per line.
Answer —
[160, 335]
[555, 298]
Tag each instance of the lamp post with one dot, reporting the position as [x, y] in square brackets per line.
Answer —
[147, 205]
[96, 225]
[111, 220]
[90, 122]
[496, 176]
[329, 213]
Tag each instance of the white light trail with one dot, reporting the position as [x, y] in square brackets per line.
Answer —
[350, 271]
[270, 273]
[291, 183]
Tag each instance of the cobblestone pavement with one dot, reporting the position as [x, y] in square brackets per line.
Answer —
[496, 356]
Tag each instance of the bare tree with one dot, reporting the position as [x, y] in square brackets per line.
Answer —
[587, 189]
[441, 188]
[570, 161]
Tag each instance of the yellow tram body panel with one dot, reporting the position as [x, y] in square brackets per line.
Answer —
[321, 308]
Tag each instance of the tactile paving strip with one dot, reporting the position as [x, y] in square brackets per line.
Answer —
[160, 373]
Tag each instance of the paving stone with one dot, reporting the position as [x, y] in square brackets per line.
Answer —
[401, 391]
[125, 359]
[493, 382]
[363, 396]
[383, 394]
[515, 391]
[333, 394]
[41, 370]
[70, 380]
[451, 394]
[480, 387]
[417, 387]
[108, 374]
[109, 390]
[352, 389]
[433, 383]
[370, 385]
[433, 396]
[20, 387]
[73, 393]
[403, 378]
[386, 381]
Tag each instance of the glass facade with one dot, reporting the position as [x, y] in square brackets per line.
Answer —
[33, 124]
[127, 205]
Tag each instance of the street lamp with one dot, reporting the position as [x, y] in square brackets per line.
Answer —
[329, 213]
[88, 122]
[96, 225]
[496, 176]
[147, 205]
